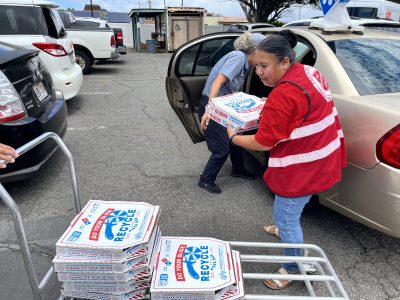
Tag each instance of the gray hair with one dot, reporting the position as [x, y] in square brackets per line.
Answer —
[248, 42]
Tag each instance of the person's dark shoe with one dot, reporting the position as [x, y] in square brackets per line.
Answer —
[244, 174]
[210, 187]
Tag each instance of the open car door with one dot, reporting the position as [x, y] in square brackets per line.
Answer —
[187, 74]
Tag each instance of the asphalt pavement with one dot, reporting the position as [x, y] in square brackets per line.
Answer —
[128, 145]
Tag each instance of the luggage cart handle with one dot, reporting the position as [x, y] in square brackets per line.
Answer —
[16, 216]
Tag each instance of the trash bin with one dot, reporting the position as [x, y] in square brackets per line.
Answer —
[151, 46]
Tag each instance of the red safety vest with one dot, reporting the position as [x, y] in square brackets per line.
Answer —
[311, 159]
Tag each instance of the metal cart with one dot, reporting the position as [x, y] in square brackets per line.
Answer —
[37, 286]
[314, 258]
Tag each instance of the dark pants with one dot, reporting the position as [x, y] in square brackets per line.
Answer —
[219, 146]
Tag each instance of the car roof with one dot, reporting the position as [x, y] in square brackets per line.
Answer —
[334, 36]
[367, 33]
[29, 3]
[252, 24]
[354, 21]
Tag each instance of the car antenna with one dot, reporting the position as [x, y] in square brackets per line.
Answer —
[336, 18]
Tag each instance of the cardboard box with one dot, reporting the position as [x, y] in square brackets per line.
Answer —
[223, 122]
[241, 110]
[87, 254]
[192, 268]
[92, 273]
[138, 274]
[108, 230]
[72, 265]
[108, 288]
[235, 292]
[99, 296]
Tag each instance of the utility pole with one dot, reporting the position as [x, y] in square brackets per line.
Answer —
[91, 7]
[182, 3]
[149, 3]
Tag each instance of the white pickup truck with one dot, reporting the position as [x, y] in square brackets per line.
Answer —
[90, 44]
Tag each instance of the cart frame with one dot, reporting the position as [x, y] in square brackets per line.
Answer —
[316, 263]
[37, 286]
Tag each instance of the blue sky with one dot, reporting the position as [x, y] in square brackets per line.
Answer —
[226, 8]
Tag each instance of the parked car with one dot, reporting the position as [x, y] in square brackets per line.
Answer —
[376, 24]
[90, 44]
[85, 22]
[363, 74]
[37, 25]
[248, 26]
[29, 107]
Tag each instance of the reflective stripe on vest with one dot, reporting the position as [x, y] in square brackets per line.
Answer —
[315, 127]
[305, 157]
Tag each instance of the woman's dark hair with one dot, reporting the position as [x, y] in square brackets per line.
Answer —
[281, 45]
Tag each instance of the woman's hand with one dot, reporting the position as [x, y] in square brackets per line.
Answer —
[7, 154]
[204, 120]
[230, 130]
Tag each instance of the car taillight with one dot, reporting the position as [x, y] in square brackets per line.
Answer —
[120, 37]
[388, 148]
[51, 48]
[11, 106]
[113, 41]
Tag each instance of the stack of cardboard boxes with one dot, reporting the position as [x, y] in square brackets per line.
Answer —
[108, 251]
[241, 110]
[196, 269]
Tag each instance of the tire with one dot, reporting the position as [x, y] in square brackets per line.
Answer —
[84, 61]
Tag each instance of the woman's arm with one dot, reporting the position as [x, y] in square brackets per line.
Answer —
[215, 87]
[245, 141]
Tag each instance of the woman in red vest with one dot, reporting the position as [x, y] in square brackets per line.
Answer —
[300, 127]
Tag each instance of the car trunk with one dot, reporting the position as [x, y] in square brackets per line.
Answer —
[29, 78]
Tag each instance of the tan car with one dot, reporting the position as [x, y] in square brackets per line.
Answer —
[364, 75]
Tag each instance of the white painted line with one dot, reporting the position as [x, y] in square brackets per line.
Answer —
[85, 128]
[95, 93]
[99, 76]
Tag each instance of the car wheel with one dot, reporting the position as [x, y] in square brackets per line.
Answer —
[83, 60]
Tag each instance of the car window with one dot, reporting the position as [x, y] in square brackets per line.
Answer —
[18, 20]
[372, 64]
[65, 19]
[298, 24]
[260, 26]
[51, 23]
[383, 27]
[58, 23]
[200, 59]
[363, 12]
[85, 24]
[242, 27]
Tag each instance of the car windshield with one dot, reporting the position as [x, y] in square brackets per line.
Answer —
[372, 64]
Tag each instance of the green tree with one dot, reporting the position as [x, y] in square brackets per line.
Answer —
[269, 10]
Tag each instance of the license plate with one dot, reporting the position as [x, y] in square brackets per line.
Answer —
[40, 91]
[71, 57]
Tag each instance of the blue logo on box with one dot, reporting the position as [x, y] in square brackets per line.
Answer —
[74, 236]
[163, 280]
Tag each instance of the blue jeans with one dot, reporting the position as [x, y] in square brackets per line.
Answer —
[287, 213]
